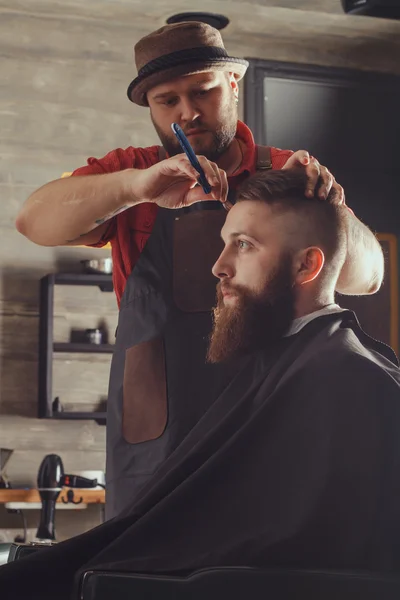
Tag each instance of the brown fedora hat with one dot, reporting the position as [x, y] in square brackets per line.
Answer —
[176, 50]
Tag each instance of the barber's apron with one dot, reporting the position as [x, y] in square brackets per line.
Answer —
[160, 382]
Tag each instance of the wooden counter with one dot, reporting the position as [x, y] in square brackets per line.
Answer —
[88, 496]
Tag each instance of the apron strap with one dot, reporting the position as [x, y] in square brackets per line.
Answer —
[263, 158]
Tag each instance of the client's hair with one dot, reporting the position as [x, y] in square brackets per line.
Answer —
[316, 222]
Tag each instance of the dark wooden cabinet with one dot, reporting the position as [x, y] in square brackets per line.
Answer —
[49, 407]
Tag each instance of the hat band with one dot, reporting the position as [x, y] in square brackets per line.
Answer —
[202, 53]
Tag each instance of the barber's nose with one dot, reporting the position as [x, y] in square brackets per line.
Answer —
[222, 268]
[189, 112]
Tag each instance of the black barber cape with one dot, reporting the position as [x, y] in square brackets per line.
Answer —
[296, 464]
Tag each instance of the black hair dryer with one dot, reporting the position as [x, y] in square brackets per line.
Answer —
[49, 481]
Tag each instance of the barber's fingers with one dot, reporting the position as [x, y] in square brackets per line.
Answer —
[326, 182]
[179, 168]
[216, 177]
[300, 158]
[313, 172]
[224, 188]
[339, 197]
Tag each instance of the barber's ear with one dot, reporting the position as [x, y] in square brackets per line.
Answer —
[233, 84]
[308, 265]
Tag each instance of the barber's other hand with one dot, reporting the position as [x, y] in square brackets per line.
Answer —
[314, 171]
[172, 183]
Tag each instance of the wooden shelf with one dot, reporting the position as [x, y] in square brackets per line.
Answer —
[88, 496]
[101, 280]
[80, 416]
[83, 347]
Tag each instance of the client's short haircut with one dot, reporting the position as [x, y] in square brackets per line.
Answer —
[311, 221]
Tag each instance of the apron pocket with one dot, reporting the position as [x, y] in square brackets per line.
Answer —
[197, 245]
[144, 412]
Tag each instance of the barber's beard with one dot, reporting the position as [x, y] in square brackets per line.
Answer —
[255, 321]
[215, 143]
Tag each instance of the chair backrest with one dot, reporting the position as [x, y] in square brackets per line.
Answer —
[241, 583]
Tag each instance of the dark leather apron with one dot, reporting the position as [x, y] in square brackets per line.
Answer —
[160, 384]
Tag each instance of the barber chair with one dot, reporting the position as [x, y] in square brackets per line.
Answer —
[235, 583]
[241, 583]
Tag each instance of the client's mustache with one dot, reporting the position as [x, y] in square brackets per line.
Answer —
[228, 288]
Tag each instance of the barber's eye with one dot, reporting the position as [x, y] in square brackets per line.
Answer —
[202, 92]
[171, 102]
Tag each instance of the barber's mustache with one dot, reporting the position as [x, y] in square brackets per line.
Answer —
[194, 126]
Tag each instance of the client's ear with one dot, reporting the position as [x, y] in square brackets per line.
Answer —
[308, 265]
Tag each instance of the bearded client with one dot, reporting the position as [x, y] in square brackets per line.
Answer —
[297, 462]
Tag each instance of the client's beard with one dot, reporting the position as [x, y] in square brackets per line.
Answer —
[257, 320]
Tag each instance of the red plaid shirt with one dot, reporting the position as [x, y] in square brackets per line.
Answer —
[129, 231]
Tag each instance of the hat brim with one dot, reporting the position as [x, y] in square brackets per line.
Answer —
[138, 88]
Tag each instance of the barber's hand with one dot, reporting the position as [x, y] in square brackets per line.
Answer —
[314, 171]
[172, 183]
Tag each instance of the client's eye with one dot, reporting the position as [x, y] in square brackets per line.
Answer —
[243, 245]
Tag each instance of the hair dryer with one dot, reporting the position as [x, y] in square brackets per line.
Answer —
[49, 481]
